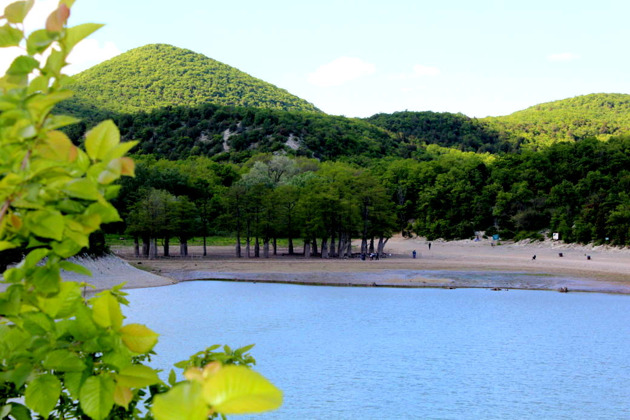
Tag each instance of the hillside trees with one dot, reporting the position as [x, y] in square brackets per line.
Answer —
[576, 189]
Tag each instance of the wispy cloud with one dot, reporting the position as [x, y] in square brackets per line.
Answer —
[562, 57]
[340, 71]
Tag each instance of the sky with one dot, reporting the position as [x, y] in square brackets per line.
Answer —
[358, 58]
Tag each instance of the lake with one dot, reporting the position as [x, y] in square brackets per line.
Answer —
[376, 353]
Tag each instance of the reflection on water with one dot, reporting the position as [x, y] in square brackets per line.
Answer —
[371, 353]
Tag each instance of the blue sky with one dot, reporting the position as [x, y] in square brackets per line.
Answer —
[358, 58]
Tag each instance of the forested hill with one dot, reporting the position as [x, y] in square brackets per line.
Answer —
[600, 115]
[235, 134]
[159, 75]
[444, 129]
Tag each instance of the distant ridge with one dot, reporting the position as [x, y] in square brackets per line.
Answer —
[159, 75]
[600, 115]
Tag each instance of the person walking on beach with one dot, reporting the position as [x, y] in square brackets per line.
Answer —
[414, 253]
[429, 246]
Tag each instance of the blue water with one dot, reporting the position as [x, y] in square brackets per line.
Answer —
[380, 353]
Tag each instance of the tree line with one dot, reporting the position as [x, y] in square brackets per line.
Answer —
[578, 190]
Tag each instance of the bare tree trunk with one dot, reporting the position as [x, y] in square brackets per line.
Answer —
[238, 238]
[325, 247]
[248, 240]
[381, 245]
[314, 249]
[183, 247]
[136, 247]
[266, 248]
[153, 252]
[145, 246]
[371, 245]
[307, 249]
[204, 245]
[290, 245]
[256, 248]
[342, 245]
[332, 246]
[364, 245]
[275, 246]
[348, 250]
[166, 247]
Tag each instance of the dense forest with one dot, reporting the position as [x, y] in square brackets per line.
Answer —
[578, 189]
[223, 153]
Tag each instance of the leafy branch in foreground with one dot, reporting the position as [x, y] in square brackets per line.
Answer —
[61, 355]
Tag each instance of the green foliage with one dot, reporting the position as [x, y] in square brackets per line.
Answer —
[61, 355]
[236, 133]
[596, 115]
[444, 129]
[158, 75]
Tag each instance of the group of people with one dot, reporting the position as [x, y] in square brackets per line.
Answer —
[371, 256]
[414, 254]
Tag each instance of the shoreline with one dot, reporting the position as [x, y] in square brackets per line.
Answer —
[447, 264]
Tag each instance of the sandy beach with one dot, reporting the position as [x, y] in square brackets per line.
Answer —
[452, 264]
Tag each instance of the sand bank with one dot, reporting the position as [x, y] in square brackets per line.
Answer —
[452, 264]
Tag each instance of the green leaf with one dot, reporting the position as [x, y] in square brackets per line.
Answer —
[35, 256]
[20, 412]
[42, 394]
[75, 34]
[121, 150]
[138, 338]
[73, 382]
[16, 12]
[22, 65]
[63, 304]
[137, 376]
[106, 311]
[97, 396]
[66, 249]
[63, 361]
[239, 390]
[106, 211]
[82, 188]
[46, 279]
[172, 378]
[38, 41]
[100, 140]
[11, 300]
[122, 396]
[55, 62]
[4, 245]
[9, 36]
[45, 223]
[183, 402]
[84, 327]
[76, 268]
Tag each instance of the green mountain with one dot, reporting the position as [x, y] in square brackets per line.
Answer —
[444, 129]
[599, 115]
[158, 75]
[180, 103]
[237, 133]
